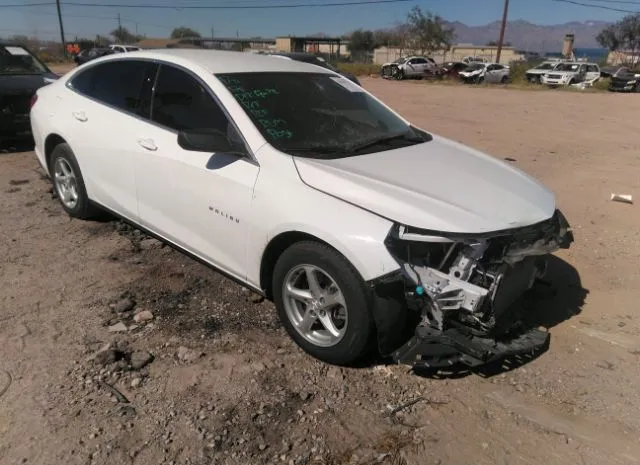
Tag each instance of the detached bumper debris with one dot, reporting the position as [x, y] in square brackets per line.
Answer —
[624, 198]
[430, 348]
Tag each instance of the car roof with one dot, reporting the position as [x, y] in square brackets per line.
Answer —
[220, 61]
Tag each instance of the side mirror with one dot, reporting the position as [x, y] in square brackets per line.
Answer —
[205, 140]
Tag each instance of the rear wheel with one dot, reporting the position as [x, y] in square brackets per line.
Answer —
[505, 79]
[323, 303]
[69, 183]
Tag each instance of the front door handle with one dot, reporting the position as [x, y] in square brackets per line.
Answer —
[148, 144]
[80, 116]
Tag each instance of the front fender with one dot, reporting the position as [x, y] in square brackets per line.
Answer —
[280, 207]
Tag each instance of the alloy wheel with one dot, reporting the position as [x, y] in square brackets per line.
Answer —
[315, 305]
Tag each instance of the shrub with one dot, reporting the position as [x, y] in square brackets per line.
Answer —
[359, 69]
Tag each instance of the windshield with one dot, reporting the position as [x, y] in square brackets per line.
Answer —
[545, 66]
[567, 67]
[17, 60]
[317, 115]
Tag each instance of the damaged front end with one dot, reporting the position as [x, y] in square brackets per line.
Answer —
[461, 289]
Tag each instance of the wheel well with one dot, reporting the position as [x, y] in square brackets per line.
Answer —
[52, 141]
[274, 249]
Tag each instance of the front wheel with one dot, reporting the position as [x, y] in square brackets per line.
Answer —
[323, 303]
[69, 183]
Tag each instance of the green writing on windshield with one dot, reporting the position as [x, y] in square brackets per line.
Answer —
[252, 101]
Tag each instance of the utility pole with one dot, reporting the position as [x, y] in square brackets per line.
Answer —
[64, 44]
[119, 28]
[502, 28]
[212, 33]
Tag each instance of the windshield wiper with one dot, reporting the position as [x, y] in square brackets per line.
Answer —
[318, 150]
[383, 140]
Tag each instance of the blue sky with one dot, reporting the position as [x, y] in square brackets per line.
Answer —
[89, 21]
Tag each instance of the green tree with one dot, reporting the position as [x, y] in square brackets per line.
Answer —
[184, 32]
[623, 35]
[429, 31]
[362, 41]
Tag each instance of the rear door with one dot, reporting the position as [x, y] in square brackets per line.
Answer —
[106, 113]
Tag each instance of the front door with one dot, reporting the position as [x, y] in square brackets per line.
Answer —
[201, 201]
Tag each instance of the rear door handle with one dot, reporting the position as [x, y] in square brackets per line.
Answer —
[148, 144]
[80, 116]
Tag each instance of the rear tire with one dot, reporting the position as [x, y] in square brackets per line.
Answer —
[68, 183]
[323, 303]
[505, 80]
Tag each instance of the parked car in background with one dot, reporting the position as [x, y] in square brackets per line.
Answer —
[124, 48]
[408, 67]
[612, 71]
[314, 60]
[570, 73]
[21, 74]
[305, 187]
[477, 73]
[470, 59]
[534, 75]
[87, 55]
[625, 82]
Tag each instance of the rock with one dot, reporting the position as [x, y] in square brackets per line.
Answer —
[123, 305]
[118, 328]
[135, 382]
[281, 351]
[105, 355]
[185, 354]
[144, 315]
[140, 359]
[335, 372]
[258, 367]
[262, 446]
[256, 298]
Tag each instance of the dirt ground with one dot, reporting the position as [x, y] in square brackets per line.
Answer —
[117, 350]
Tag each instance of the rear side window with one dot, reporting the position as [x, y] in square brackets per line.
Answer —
[120, 84]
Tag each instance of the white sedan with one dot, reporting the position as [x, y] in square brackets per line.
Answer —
[478, 73]
[304, 187]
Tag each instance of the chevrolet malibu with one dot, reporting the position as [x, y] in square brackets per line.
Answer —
[367, 232]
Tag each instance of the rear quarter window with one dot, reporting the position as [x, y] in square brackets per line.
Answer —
[117, 83]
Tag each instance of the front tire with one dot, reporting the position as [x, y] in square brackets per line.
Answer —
[323, 303]
[68, 183]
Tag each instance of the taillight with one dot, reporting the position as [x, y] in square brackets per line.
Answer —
[32, 102]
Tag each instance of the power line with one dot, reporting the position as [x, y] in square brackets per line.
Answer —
[21, 5]
[627, 2]
[602, 7]
[235, 7]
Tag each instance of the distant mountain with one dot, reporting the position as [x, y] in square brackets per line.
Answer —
[532, 37]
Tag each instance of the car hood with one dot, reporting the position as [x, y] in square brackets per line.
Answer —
[438, 185]
[471, 73]
[23, 83]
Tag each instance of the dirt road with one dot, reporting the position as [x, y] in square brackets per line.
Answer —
[117, 350]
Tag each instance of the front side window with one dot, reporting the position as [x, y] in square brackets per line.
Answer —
[118, 83]
[317, 115]
[181, 103]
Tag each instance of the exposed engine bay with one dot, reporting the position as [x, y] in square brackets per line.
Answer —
[466, 285]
